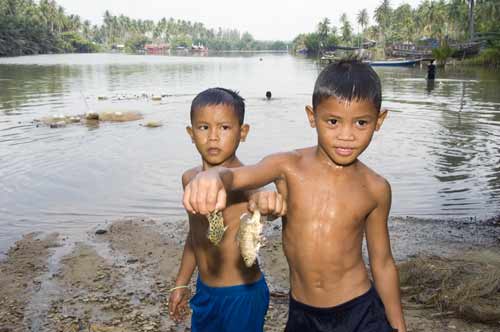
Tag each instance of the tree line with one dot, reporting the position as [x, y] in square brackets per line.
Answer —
[442, 20]
[29, 27]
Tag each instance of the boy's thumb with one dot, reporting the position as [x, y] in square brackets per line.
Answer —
[251, 206]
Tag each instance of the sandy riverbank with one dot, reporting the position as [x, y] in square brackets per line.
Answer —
[118, 281]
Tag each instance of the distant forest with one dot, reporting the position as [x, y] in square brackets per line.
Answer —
[41, 27]
[441, 20]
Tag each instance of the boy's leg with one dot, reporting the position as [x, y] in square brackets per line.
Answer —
[205, 309]
[246, 312]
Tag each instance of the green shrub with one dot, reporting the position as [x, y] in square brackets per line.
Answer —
[442, 54]
[488, 57]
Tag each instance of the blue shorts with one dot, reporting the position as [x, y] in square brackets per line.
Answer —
[362, 314]
[240, 308]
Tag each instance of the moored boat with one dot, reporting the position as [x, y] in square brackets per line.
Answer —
[394, 63]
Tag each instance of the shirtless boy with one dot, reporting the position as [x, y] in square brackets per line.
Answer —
[333, 201]
[229, 296]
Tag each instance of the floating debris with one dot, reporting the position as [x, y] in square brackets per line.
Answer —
[119, 116]
[216, 227]
[102, 98]
[152, 124]
[91, 116]
[60, 120]
[250, 237]
[156, 98]
[58, 124]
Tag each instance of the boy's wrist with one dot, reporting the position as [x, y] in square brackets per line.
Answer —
[178, 287]
[181, 281]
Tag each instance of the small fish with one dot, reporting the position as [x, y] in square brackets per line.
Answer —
[250, 237]
[216, 227]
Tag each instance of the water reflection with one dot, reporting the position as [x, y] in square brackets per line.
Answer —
[430, 86]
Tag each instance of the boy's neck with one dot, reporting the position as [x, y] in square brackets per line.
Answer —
[230, 162]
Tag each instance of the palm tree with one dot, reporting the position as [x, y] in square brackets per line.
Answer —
[457, 12]
[323, 29]
[346, 28]
[383, 17]
[362, 20]
[471, 18]
[86, 29]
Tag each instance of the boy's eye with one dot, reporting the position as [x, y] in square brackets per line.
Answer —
[203, 127]
[332, 121]
[226, 127]
[361, 123]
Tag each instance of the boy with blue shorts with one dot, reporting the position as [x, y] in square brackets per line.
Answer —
[334, 200]
[229, 296]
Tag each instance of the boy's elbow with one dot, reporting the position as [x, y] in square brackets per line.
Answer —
[383, 266]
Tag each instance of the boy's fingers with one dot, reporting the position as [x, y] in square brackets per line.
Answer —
[221, 200]
[211, 198]
[284, 209]
[271, 203]
[279, 205]
[172, 307]
[201, 199]
[192, 197]
[186, 198]
[263, 203]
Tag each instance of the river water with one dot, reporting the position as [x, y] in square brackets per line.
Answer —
[439, 147]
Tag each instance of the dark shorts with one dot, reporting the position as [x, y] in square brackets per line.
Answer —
[365, 313]
[230, 309]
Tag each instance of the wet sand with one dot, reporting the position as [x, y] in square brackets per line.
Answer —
[118, 280]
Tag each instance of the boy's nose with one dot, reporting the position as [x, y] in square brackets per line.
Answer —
[213, 135]
[346, 133]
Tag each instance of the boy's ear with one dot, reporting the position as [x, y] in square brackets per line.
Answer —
[310, 116]
[244, 129]
[189, 130]
[381, 117]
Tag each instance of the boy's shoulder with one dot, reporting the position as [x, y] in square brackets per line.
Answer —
[290, 156]
[376, 183]
[189, 174]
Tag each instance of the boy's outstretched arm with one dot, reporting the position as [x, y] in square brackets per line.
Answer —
[383, 267]
[206, 192]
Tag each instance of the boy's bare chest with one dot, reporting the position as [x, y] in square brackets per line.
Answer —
[329, 198]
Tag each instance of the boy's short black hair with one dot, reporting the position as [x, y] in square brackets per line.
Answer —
[218, 96]
[349, 79]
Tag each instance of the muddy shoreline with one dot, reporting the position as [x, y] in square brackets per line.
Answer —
[118, 279]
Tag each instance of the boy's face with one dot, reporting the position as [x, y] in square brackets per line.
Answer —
[216, 132]
[345, 128]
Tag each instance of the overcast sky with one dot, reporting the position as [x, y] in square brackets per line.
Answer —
[264, 19]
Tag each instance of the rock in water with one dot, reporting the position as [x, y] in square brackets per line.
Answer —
[153, 124]
[216, 227]
[91, 116]
[250, 237]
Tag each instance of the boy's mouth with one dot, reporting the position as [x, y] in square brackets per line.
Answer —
[213, 151]
[344, 151]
